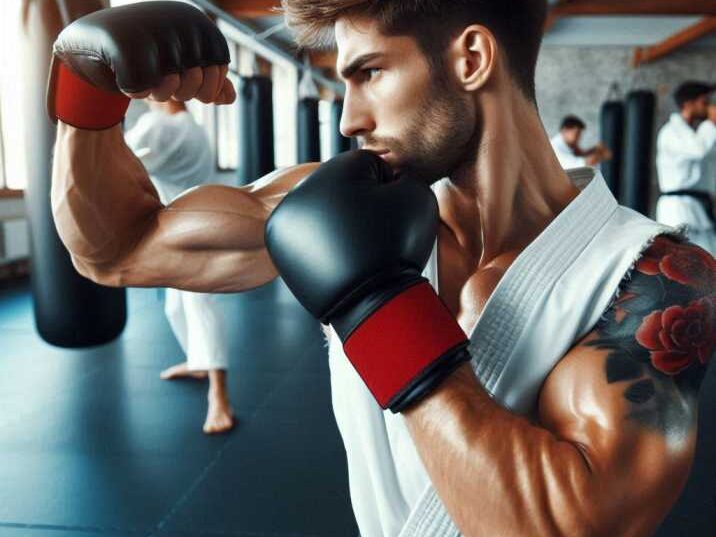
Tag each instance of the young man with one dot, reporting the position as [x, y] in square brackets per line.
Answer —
[560, 424]
[686, 150]
[566, 145]
[177, 155]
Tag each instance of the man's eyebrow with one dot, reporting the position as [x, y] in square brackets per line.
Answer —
[357, 63]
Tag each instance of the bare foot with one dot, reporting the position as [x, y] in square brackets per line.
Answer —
[182, 371]
[219, 416]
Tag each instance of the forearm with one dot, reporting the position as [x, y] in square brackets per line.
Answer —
[102, 199]
[496, 473]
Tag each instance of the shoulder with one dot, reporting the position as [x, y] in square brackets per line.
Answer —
[666, 310]
[272, 188]
[651, 348]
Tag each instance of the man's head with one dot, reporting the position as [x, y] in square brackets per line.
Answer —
[571, 130]
[692, 98]
[414, 70]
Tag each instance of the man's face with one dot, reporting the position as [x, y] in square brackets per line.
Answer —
[572, 136]
[699, 107]
[420, 123]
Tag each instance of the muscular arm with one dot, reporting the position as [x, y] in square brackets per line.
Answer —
[617, 418]
[118, 233]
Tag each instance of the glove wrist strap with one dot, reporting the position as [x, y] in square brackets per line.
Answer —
[76, 102]
[400, 343]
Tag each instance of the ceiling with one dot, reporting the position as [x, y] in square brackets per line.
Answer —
[652, 21]
[635, 23]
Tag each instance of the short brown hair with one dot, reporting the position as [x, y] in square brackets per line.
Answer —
[517, 25]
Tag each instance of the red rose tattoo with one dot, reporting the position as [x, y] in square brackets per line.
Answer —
[682, 263]
[679, 336]
[661, 333]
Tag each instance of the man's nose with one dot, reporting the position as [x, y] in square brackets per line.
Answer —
[356, 119]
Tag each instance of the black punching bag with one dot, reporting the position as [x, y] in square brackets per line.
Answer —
[256, 156]
[638, 150]
[612, 135]
[70, 310]
[339, 143]
[309, 133]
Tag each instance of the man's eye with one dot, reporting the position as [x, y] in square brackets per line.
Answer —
[371, 72]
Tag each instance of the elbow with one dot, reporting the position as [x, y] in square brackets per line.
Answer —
[105, 276]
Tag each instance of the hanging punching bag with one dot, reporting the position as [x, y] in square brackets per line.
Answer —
[339, 143]
[309, 136]
[70, 310]
[638, 150]
[256, 152]
[612, 135]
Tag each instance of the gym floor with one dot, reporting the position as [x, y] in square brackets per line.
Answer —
[93, 443]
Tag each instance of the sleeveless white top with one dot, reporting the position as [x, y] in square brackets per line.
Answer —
[556, 291]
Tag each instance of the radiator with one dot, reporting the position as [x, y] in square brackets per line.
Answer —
[14, 240]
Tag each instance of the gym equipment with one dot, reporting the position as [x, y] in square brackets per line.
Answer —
[638, 150]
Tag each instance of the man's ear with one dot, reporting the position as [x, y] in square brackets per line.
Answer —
[473, 57]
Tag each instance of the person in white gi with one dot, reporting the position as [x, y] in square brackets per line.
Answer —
[686, 149]
[177, 155]
[566, 145]
[590, 326]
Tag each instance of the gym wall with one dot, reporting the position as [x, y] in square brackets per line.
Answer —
[573, 79]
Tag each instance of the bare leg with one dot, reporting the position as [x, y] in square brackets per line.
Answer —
[219, 416]
[182, 371]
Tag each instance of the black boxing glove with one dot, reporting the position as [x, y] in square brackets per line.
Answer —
[351, 242]
[126, 49]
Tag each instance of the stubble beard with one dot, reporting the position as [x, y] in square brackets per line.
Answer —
[442, 137]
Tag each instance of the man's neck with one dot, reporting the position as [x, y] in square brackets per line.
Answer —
[514, 188]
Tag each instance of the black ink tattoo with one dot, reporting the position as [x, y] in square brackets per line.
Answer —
[661, 333]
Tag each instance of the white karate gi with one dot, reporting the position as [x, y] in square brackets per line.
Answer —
[556, 290]
[685, 161]
[177, 155]
[565, 154]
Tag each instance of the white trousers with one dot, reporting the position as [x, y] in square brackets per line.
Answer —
[198, 326]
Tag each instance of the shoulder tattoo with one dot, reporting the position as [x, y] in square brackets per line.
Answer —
[661, 333]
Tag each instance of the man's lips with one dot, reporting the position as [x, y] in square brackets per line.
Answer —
[385, 154]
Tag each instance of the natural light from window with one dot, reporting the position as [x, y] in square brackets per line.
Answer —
[14, 170]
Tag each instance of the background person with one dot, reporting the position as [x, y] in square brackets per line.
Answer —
[686, 149]
[566, 145]
[177, 154]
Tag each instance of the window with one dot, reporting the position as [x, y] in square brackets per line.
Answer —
[227, 131]
[13, 168]
[285, 99]
[3, 178]
[325, 120]
[226, 118]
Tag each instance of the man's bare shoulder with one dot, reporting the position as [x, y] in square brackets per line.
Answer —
[654, 343]
[272, 188]
[627, 393]
[256, 199]
[661, 332]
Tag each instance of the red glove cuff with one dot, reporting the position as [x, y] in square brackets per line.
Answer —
[76, 102]
[401, 340]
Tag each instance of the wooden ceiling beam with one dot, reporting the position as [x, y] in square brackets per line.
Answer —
[680, 39]
[634, 7]
[247, 9]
